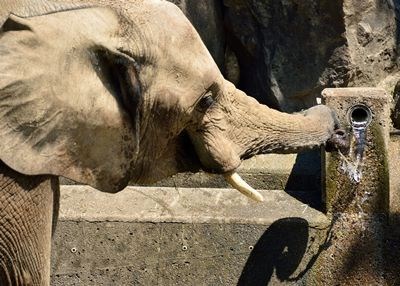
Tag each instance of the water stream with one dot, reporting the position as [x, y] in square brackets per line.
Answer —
[360, 117]
[353, 163]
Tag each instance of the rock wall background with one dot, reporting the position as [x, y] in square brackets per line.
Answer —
[284, 52]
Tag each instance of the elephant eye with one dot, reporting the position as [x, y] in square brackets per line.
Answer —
[205, 103]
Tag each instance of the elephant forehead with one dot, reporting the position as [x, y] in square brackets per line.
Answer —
[169, 39]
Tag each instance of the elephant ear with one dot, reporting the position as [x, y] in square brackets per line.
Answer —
[63, 97]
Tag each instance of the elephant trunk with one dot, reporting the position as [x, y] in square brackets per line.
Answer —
[258, 129]
[254, 129]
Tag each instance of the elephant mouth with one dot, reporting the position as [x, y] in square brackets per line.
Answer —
[190, 161]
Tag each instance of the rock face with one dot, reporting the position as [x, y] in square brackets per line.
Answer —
[284, 52]
[372, 34]
[288, 50]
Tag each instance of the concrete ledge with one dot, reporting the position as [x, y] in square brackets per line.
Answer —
[182, 205]
[178, 236]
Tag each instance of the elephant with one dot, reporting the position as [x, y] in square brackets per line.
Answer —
[111, 93]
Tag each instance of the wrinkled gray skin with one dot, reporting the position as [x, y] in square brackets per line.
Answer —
[104, 95]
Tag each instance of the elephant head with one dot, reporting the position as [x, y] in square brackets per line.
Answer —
[105, 95]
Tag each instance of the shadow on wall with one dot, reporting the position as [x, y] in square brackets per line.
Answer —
[281, 247]
[304, 182]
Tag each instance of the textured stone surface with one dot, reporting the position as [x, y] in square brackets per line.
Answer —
[392, 237]
[154, 236]
[355, 255]
[394, 165]
[287, 49]
[372, 36]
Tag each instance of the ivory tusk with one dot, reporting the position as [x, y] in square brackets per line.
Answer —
[239, 184]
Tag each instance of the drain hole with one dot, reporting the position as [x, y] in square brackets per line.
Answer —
[360, 115]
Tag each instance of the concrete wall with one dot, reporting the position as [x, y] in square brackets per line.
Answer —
[182, 236]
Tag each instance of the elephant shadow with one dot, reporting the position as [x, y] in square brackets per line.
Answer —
[304, 181]
[281, 247]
